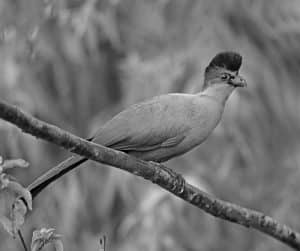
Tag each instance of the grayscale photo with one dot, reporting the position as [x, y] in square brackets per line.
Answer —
[149, 125]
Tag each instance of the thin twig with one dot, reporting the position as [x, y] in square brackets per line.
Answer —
[22, 240]
[154, 172]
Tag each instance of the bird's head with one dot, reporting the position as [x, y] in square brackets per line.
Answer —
[222, 72]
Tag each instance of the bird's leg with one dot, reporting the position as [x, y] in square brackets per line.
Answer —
[178, 182]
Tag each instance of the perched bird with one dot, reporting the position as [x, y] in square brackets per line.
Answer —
[168, 125]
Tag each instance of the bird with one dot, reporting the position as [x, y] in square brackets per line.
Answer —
[168, 125]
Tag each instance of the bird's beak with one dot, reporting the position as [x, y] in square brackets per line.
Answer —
[238, 81]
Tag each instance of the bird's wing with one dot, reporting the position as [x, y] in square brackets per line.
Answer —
[146, 126]
[144, 147]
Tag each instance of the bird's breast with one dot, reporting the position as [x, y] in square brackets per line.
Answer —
[203, 122]
[202, 116]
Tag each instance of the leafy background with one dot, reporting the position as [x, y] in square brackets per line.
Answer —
[76, 63]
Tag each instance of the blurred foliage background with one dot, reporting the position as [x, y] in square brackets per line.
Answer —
[76, 63]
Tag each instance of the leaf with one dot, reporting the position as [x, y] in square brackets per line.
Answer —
[14, 163]
[19, 211]
[4, 181]
[21, 191]
[16, 188]
[13, 223]
[44, 236]
[15, 199]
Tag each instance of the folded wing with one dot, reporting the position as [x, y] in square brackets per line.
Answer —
[145, 127]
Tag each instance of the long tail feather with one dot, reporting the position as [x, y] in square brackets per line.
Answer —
[54, 173]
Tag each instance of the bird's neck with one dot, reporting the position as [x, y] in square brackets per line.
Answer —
[218, 92]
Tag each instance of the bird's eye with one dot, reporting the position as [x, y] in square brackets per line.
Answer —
[225, 76]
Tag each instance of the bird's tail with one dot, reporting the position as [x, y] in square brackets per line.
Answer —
[54, 173]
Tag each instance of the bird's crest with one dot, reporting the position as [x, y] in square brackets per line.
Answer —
[229, 60]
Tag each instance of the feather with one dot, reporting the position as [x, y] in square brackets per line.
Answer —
[147, 126]
[229, 60]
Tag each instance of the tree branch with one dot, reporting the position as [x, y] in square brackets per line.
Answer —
[156, 173]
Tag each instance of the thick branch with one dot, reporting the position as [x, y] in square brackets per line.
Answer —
[154, 172]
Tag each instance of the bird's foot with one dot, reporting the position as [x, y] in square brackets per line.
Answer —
[178, 182]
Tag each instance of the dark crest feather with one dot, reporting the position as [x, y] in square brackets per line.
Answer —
[229, 60]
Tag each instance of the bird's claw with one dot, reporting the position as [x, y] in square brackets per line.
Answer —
[178, 182]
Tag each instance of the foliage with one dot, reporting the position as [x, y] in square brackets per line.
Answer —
[43, 237]
[12, 208]
[77, 63]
